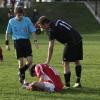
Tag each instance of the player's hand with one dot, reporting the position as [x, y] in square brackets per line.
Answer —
[29, 88]
[8, 47]
[46, 62]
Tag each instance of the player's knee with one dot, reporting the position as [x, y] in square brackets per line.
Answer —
[20, 62]
[32, 70]
[77, 62]
[29, 63]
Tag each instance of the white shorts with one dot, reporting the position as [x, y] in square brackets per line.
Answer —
[49, 86]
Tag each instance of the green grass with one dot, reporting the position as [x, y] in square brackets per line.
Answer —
[82, 19]
[10, 88]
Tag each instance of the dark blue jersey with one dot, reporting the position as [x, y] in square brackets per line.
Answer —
[63, 32]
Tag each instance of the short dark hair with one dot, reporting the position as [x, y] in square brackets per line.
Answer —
[42, 20]
[19, 10]
[32, 70]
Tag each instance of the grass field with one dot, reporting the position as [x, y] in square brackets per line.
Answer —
[10, 88]
[82, 19]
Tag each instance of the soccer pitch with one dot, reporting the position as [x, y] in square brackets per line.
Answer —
[10, 88]
[82, 19]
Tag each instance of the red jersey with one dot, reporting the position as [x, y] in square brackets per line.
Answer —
[49, 75]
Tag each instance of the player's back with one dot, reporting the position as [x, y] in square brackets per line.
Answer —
[53, 75]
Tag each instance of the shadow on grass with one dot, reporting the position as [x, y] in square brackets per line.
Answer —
[83, 90]
[36, 94]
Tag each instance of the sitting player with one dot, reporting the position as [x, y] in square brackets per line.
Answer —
[49, 79]
[1, 55]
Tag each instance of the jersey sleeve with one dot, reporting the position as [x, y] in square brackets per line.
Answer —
[51, 35]
[31, 27]
[38, 71]
[9, 28]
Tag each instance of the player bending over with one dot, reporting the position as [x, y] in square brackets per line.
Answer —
[49, 79]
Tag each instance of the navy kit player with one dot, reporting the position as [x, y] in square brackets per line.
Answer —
[71, 39]
[20, 28]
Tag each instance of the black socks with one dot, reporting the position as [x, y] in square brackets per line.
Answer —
[67, 76]
[78, 70]
[67, 79]
[22, 73]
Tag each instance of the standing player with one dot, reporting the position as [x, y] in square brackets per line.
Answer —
[20, 27]
[49, 79]
[72, 41]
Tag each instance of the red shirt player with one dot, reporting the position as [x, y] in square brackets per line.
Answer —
[49, 79]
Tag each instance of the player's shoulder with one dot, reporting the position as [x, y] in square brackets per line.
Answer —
[42, 65]
[38, 66]
[12, 19]
[26, 18]
[55, 23]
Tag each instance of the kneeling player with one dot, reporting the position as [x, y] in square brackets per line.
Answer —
[49, 79]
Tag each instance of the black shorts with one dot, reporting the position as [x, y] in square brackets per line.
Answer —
[73, 53]
[23, 48]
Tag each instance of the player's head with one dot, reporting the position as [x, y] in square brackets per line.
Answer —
[19, 12]
[32, 70]
[44, 22]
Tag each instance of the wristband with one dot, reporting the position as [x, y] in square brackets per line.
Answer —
[7, 42]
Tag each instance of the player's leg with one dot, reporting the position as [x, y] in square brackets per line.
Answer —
[41, 86]
[49, 87]
[36, 86]
[66, 63]
[67, 73]
[29, 62]
[19, 55]
[22, 47]
[23, 67]
[78, 67]
[78, 70]
[27, 53]
[21, 70]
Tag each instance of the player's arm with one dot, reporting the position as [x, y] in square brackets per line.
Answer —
[50, 51]
[41, 79]
[7, 41]
[32, 30]
[39, 72]
[7, 35]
